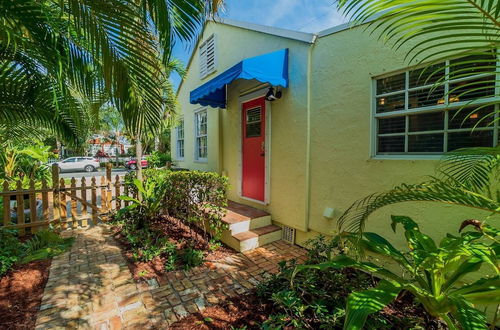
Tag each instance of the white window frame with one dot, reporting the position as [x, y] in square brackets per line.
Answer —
[197, 135]
[178, 139]
[442, 107]
[205, 69]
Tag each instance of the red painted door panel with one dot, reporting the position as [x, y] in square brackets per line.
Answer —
[253, 147]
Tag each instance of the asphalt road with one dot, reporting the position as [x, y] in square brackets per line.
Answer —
[99, 173]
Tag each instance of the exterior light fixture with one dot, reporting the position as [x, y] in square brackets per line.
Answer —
[271, 96]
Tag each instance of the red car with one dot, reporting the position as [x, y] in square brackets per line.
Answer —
[132, 164]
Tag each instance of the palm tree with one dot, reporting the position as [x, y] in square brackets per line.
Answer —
[431, 30]
[55, 56]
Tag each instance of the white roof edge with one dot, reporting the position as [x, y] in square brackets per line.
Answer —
[285, 33]
[348, 25]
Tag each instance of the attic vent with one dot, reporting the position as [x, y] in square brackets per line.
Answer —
[207, 57]
[288, 234]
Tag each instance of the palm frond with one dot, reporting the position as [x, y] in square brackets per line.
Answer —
[435, 190]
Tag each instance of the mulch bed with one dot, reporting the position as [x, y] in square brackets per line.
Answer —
[181, 235]
[245, 311]
[21, 292]
[250, 312]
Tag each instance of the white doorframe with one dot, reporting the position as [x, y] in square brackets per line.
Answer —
[267, 144]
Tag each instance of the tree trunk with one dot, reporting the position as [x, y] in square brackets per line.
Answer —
[138, 155]
[157, 143]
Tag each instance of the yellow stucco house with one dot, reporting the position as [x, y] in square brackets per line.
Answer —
[305, 124]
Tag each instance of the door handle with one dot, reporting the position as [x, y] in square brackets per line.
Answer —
[263, 148]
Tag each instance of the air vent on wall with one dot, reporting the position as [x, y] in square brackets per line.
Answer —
[288, 234]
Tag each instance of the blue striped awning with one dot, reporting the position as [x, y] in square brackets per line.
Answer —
[269, 68]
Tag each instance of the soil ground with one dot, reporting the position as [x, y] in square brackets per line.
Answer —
[21, 292]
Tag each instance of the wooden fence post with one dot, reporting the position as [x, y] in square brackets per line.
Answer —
[33, 210]
[84, 206]
[62, 205]
[118, 202]
[93, 196]
[20, 206]
[6, 205]
[55, 194]
[74, 212]
[104, 196]
[45, 201]
[109, 192]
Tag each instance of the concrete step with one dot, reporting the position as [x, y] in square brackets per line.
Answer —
[241, 218]
[253, 238]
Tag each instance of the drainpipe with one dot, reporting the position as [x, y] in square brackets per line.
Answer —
[308, 136]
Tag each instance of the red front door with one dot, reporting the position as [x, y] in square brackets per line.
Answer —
[253, 147]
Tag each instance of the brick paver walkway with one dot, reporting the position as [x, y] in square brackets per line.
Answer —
[91, 287]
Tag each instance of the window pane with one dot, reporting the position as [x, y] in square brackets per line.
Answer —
[391, 103]
[425, 97]
[392, 125]
[391, 84]
[426, 143]
[427, 122]
[470, 117]
[471, 65]
[472, 89]
[388, 144]
[470, 139]
[202, 147]
[427, 76]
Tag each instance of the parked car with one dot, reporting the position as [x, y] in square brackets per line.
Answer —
[73, 164]
[132, 164]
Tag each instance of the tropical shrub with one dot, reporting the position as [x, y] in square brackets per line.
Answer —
[150, 204]
[191, 257]
[44, 244]
[318, 297]
[431, 272]
[10, 250]
[158, 159]
[198, 199]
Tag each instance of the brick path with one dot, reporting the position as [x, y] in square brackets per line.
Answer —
[91, 287]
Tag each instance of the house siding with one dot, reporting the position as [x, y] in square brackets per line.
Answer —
[340, 168]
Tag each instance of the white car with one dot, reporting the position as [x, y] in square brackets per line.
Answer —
[73, 164]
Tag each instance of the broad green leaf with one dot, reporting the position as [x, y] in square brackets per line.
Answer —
[343, 261]
[363, 303]
[467, 316]
[483, 291]
[129, 199]
[407, 222]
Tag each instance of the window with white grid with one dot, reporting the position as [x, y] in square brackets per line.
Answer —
[426, 112]
[180, 139]
[207, 57]
[201, 142]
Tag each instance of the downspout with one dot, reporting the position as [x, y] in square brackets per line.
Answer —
[308, 136]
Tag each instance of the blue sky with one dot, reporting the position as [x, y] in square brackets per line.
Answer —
[301, 15]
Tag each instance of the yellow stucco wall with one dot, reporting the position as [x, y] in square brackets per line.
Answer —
[288, 121]
[341, 167]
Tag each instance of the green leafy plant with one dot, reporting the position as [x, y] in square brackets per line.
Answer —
[11, 250]
[158, 159]
[198, 199]
[432, 273]
[152, 193]
[191, 257]
[45, 244]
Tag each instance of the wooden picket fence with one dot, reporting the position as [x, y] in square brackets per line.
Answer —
[82, 203]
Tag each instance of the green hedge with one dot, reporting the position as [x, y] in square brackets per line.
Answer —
[195, 198]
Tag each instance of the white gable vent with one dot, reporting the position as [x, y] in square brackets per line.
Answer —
[207, 57]
[288, 234]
